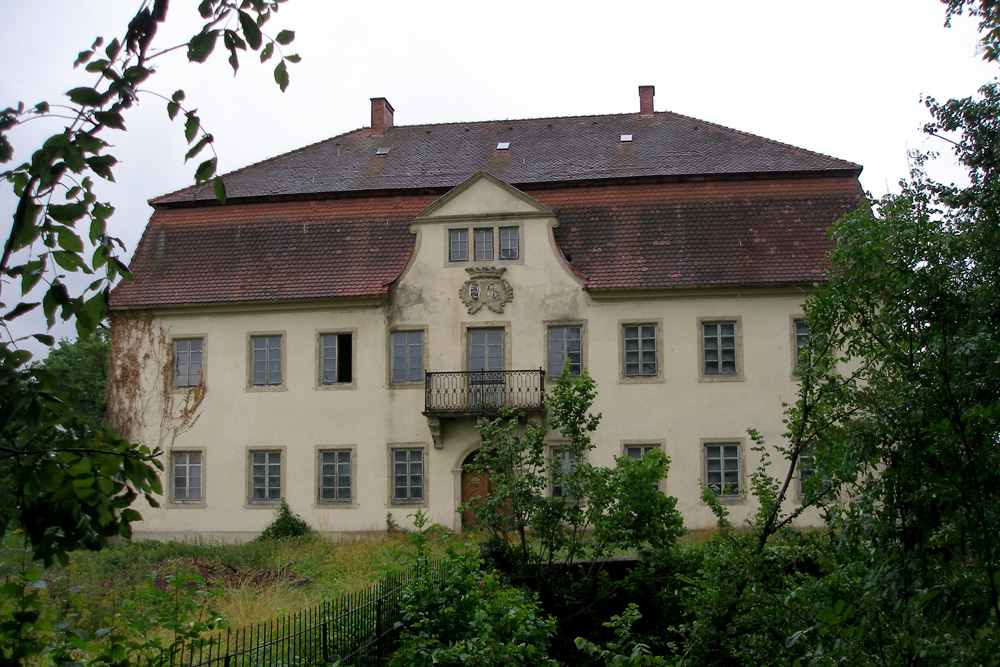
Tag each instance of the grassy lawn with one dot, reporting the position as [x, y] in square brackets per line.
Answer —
[248, 582]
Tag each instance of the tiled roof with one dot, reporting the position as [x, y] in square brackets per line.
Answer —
[763, 231]
[545, 150]
[271, 252]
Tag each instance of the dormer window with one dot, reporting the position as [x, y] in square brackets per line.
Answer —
[484, 242]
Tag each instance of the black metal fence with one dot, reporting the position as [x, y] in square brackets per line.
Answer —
[358, 630]
[483, 392]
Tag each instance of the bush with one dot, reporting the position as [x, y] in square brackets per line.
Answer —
[285, 524]
[463, 615]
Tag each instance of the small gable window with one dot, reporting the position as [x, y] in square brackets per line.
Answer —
[484, 244]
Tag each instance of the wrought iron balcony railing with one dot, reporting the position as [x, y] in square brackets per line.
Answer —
[483, 392]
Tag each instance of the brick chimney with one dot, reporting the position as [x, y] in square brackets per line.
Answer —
[646, 94]
[381, 116]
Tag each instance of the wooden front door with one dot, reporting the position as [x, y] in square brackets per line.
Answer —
[474, 485]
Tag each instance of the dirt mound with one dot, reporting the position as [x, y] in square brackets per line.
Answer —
[227, 575]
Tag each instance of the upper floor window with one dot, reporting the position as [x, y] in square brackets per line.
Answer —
[805, 469]
[187, 361]
[480, 244]
[639, 350]
[336, 359]
[484, 245]
[509, 243]
[458, 245]
[719, 348]
[565, 344]
[265, 359]
[407, 356]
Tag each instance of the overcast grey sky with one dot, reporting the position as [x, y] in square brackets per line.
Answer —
[842, 78]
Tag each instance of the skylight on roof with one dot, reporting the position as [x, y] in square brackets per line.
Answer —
[503, 145]
[383, 150]
[626, 137]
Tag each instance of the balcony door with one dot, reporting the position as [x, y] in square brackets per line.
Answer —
[486, 366]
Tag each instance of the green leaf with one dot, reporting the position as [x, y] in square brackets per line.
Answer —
[20, 309]
[70, 261]
[220, 190]
[267, 52]
[285, 37]
[197, 148]
[191, 126]
[250, 29]
[178, 96]
[205, 9]
[68, 240]
[172, 109]
[42, 107]
[44, 339]
[111, 119]
[202, 45]
[113, 49]
[101, 165]
[83, 57]
[85, 97]
[293, 58]
[281, 76]
[205, 170]
[67, 214]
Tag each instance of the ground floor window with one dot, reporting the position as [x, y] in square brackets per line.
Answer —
[407, 475]
[185, 480]
[265, 476]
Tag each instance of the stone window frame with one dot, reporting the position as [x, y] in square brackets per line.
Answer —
[646, 445]
[425, 486]
[173, 361]
[740, 497]
[738, 376]
[470, 228]
[283, 385]
[352, 451]
[554, 373]
[406, 384]
[640, 379]
[172, 499]
[318, 374]
[268, 503]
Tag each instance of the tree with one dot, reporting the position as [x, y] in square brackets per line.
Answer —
[59, 228]
[70, 484]
[81, 369]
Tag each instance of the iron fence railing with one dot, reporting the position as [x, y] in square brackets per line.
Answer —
[483, 392]
[358, 629]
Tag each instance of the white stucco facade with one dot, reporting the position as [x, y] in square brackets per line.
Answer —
[360, 417]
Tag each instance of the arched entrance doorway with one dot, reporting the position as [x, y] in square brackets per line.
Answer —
[474, 485]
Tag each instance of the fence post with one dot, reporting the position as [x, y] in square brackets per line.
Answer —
[378, 629]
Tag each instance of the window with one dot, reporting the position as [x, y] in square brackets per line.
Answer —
[639, 341]
[187, 361]
[336, 361]
[722, 468]
[484, 245]
[265, 358]
[563, 463]
[805, 469]
[407, 356]
[719, 348]
[637, 452]
[801, 338]
[565, 344]
[407, 475]
[335, 476]
[265, 477]
[185, 471]
[508, 243]
[458, 245]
